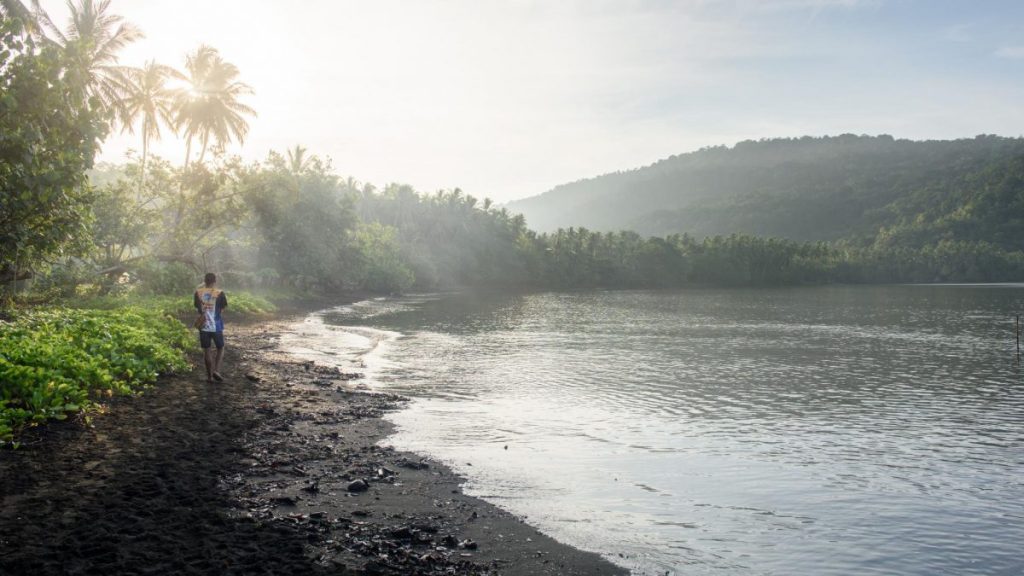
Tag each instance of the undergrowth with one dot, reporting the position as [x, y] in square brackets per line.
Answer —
[59, 361]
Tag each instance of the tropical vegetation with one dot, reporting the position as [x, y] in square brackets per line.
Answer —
[58, 361]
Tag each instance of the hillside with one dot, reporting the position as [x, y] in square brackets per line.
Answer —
[808, 189]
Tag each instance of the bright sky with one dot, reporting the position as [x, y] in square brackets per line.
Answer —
[507, 98]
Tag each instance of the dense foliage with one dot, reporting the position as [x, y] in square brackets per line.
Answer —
[47, 141]
[303, 222]
[58, 361]
[448, 238]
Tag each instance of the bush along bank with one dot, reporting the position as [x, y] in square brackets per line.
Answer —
[243, 305]
[60, 361]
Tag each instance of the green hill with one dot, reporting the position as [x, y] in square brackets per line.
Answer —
[860, 188]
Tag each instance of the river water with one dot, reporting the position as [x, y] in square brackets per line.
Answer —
[818, 431]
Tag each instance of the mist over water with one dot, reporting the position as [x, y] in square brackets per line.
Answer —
[835, 430]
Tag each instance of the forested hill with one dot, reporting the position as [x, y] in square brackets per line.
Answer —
[808, 189]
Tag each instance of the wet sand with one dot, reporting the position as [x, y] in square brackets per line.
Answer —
[276, 471]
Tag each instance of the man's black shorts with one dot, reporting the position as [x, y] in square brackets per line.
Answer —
[206, 337]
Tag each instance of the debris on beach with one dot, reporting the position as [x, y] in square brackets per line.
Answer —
[358, 486]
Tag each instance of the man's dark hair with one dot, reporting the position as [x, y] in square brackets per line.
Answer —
[210, 278]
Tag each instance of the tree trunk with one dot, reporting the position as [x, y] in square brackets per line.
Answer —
[145, 151]
[187, 260]
[188, 151]
[202, 153]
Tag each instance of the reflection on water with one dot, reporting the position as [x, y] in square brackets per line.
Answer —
[868, 430]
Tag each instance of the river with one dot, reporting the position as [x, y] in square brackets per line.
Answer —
[819, 431]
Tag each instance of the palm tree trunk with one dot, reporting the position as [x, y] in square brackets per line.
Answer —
[202, 153]
[142, 177]
[188, 151]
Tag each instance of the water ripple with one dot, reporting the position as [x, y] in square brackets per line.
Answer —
[806, 431]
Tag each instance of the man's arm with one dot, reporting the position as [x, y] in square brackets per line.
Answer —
[196, 302]
[222, 301]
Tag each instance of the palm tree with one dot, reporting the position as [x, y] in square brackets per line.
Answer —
[298, 162]
[209, 107]
[149, 101]
[91, 41]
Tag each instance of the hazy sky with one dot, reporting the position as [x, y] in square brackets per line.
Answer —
[508, 98]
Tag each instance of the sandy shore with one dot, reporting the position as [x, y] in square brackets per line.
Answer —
[276, 471]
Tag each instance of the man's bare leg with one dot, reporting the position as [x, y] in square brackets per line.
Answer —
[209, 360]
[216, 361]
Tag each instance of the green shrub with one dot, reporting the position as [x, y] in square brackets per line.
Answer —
[59, 361]
[247, 304]
[240, 304]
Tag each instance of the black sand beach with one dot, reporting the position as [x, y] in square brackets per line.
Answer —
[276, 471]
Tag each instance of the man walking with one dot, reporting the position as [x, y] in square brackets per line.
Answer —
[210, 302]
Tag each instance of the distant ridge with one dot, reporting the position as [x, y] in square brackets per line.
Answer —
[808, 189]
